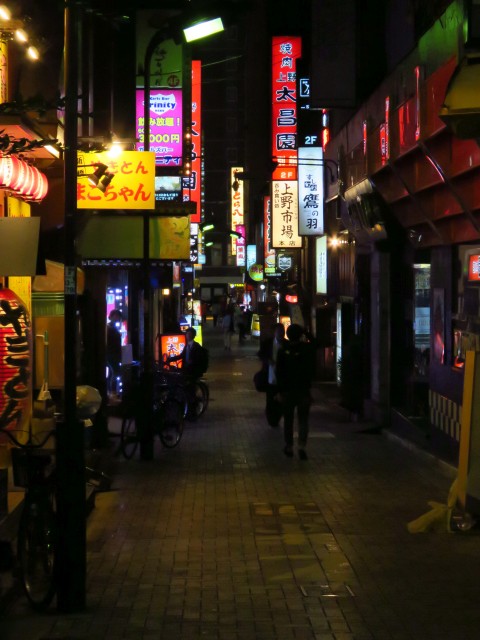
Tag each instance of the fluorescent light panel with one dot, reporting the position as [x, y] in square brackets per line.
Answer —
[203, 29]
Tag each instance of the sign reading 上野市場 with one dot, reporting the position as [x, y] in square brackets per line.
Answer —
[285, 215]
[132, 185]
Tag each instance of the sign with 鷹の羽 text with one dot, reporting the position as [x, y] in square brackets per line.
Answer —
[132, 185]
[285, 215]
[310, 191]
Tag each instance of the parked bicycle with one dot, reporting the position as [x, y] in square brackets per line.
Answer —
[196, 390]
[34, 471]
[169, 408]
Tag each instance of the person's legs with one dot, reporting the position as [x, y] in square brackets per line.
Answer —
[273, 409]
[304, 403]
[288, 407]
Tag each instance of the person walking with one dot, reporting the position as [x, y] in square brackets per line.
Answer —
[239, 323]
[228, 330]
[268, 353]
[295, 371]
[215, 312]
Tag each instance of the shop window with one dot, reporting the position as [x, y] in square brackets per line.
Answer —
[421, 319]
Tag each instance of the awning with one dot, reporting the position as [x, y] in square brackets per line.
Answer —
[17, 129]
[461, 108]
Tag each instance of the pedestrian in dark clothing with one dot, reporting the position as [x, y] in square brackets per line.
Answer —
[295, 371]
[190, 356]
[267, 353]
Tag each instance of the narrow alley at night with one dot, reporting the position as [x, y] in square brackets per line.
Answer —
[225, 537]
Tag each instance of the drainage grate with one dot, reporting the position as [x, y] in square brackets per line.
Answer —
[325, 590]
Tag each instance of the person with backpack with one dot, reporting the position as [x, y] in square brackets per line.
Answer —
[193, 358]
[295, 371]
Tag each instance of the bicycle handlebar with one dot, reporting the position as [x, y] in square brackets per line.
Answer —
[30, 443]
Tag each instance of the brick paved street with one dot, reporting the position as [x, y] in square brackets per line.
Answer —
[224, 538]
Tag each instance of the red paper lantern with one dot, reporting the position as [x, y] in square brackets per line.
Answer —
[15, 362]
[22, 179]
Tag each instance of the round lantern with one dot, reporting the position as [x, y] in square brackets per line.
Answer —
[40, 186]
[2, 169]
[15, 362]
[19, 175]
[26, 189]
[7, 173]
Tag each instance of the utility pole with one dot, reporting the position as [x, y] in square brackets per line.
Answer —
[70, 459]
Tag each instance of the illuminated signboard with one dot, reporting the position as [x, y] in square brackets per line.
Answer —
[132, 185]
[321, 264]
[474, 268]
[268, 252]
[310, 191]
[251, 255]
[167, 188]
[236, 203]
[192, 184]
[285, 51]
[285, 215]
[172, 345]
[241, 245]
[166, 125]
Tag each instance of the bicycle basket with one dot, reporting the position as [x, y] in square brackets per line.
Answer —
[168, 378]
[28, 464]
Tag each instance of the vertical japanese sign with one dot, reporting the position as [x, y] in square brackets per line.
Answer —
[268, 251]
[3, 72]
[166, 125]
[236, 203]
[285, 215]
[192, 184]
[310, 191]
[285, 51]
[241, 245]
[321, 264]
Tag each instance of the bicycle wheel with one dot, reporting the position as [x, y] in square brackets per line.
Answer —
[129, 437]
[37, 535]
[179, 394]
[205, 391]
[171, 417]
[199, 400]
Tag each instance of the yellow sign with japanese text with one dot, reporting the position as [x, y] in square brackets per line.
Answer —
[124, 182]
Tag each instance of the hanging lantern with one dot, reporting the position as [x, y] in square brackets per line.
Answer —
[19, 175]
[23, 180]
[15, 362]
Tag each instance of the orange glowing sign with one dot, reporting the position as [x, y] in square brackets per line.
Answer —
[172, 345]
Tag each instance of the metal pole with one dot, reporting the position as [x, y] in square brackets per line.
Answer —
[71, 499]
[144, 416]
